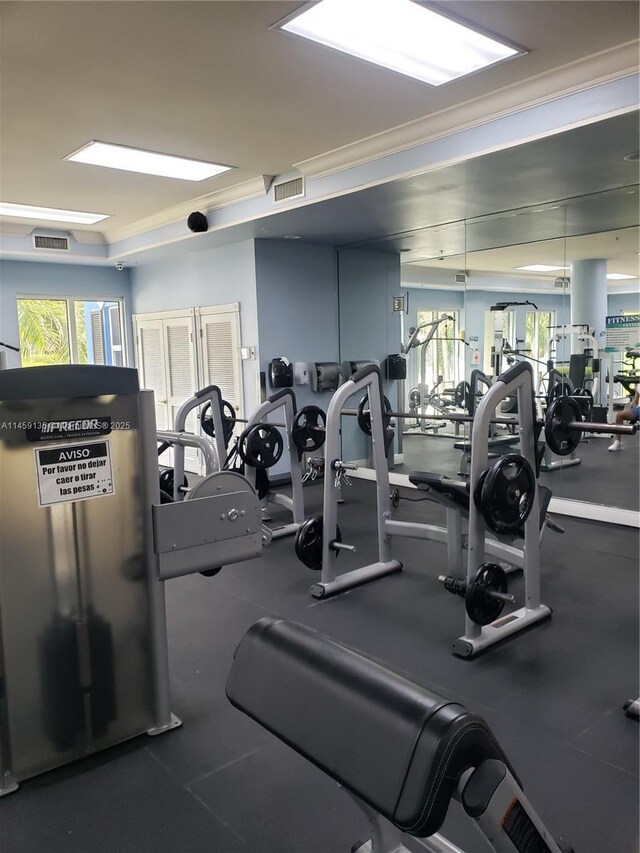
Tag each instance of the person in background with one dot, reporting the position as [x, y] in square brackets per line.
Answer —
[631, 413]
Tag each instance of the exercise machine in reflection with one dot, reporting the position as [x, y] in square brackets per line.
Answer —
[422, 398]
[402, 752]
[86, 548]
[522, 518]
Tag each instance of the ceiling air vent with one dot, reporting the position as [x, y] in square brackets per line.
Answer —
[461, 277]
[288, 190]
[58, 244]
[562, 282]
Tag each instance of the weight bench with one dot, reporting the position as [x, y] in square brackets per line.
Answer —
[494, 444]
[402, 752]
[455, 494]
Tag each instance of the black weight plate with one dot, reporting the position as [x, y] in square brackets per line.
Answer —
[561, 438]
[228, 420]
[309, 542]
[307, 431]
[508, 493]
[462, 395]
[166, 481]
[364, 415]
[477, 491]
[261, 446]
[561, 388]
[480, 607]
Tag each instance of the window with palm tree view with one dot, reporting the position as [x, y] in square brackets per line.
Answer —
[538, 330]
[441, 363]
[70, 331]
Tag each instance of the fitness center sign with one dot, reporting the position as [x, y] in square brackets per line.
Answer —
[74, 473]
[623, 331]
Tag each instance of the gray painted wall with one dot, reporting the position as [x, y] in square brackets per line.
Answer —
[297, 293]
[28, 278]
[214, 277]
[368, 327]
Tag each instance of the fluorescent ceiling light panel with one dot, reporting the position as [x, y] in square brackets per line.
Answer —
[400, 35]
[541, 268]
[145, 162]
[28, 211]
[619, 276]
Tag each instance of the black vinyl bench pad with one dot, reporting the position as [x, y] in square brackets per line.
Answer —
[394, 744]
[493, 443]
[457, 492]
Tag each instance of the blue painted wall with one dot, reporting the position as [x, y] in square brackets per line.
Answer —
[297, 307]
[214, 277]
[297, 292]
[368, 327]
[28, 278]
[618, 302]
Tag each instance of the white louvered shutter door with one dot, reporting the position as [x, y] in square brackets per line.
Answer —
[221, 363]
[151, 366]
[181, 378]
[97, 342]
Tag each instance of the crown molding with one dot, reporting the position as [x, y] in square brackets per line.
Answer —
[245, 191]
[577, 76]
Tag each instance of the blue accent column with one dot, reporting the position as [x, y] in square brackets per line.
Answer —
[589, 294]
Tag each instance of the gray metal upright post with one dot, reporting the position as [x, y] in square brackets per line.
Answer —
[164, 719]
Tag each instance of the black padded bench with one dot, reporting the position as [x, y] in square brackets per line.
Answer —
[496, 445]
[399, 749]
[456, 493]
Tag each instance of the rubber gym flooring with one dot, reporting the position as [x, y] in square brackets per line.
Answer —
[221, 784]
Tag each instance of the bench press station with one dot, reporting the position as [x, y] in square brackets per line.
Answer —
[518, 380]
[401, 751]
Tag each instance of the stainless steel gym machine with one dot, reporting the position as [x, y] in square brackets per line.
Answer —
[85, 548]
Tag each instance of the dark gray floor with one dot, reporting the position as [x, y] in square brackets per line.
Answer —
[221, 784]
[602, 477]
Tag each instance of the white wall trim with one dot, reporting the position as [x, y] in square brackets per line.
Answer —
[178, 314]
[245, 191]
[585, 73]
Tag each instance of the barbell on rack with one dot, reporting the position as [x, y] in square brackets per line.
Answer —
[557, 416]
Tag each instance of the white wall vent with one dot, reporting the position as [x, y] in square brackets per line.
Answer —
[562, 282]
[58, 244]
[288, 190]
[461, 277]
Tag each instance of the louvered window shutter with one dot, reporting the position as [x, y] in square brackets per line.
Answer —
[221, 363]
[97, 342]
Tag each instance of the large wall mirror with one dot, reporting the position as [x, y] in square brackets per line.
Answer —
[530, 282]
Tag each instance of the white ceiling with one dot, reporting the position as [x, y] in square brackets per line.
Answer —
[211, 80]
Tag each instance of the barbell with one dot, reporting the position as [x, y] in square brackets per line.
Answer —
[558, 417]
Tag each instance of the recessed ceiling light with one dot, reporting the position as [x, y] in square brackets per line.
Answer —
[400, 35]
[541, 268]
[619, 276]
[145, 162]
[54, 214]
[291, 237]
